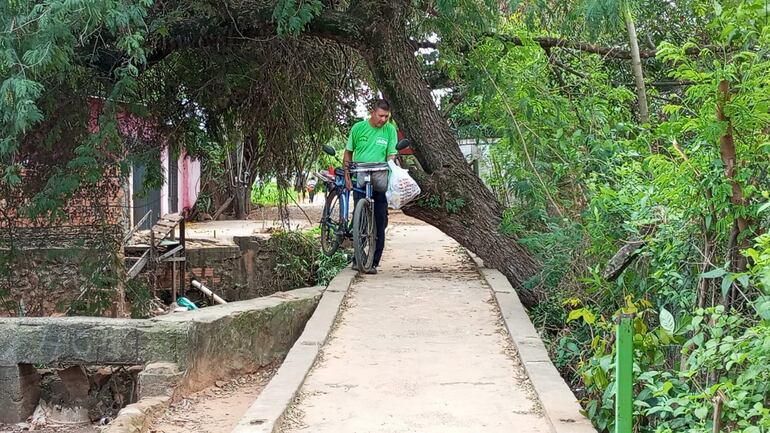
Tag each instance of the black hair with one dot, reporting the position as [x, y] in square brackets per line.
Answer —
[382, 104]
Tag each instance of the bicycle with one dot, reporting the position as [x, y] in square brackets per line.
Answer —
[335, 225]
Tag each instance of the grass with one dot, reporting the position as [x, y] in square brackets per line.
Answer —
[271, 195]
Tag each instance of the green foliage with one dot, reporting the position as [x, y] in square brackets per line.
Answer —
[292, 16]
[300, 261]
[41, 46]
[270, 194]
[580, 178]
[295, 258]
[99, 280]
[717, 355]
[329, 267]
[139, 295]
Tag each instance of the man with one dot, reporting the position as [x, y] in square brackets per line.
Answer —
[373, 140]
[311, 183]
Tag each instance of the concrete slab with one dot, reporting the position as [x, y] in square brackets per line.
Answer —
[19, 392]
[418, 348]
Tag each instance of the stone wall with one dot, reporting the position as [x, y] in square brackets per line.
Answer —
[245, 270]
[42, 282]
[46, 281]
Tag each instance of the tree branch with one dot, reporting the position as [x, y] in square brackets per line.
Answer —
[551, 42]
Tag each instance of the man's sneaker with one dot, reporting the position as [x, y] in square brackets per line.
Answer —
[372, 271]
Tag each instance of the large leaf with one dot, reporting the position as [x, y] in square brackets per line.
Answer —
[587, 316]
[727, 282]
[714, 273]
[762, 305]
[667, 321]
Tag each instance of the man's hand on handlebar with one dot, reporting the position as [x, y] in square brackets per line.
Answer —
[348, 157]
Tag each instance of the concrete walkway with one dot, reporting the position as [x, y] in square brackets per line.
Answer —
[420, 347]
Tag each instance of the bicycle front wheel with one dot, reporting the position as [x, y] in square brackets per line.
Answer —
[331, 224]
[364, 234]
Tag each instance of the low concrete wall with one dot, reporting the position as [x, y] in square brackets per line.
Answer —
[209, 344]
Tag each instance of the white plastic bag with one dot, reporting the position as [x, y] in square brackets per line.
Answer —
[401, 187]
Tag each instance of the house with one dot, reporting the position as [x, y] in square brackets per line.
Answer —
[46, 262]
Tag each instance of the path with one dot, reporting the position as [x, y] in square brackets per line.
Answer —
[215, 409]
[420, 347]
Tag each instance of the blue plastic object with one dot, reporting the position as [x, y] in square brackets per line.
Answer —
[184, 302]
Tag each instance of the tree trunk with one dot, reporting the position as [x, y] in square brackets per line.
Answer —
[739, 238]
[239, 204]
[729, 158]
[636, 66]
[454, 199]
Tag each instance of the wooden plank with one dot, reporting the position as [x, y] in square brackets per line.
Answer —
[133, 229]
[175, 259]
[159, 235]
[171, 253]
[138, 266]
[164, 223]
[222, 208]
[136, 247]
[159, 228]
[175, 217]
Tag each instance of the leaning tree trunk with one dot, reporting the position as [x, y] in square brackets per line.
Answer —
[454, 199]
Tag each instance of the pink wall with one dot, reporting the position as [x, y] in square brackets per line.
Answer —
[189, 169]
[189, 185]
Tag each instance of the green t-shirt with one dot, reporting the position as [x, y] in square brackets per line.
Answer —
[370, 144]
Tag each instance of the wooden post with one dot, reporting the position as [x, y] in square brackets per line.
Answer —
[183, 263]
[173, 281]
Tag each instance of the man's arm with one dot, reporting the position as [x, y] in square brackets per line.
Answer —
[348, 156]
[346, 166]
[392, 140]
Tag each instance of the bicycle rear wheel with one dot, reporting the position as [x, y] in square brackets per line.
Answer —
[364, 234]
[331, 224]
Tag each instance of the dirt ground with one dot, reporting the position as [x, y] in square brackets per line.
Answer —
[307, 210]
[216, 409]
[266, 220]
[51, 428]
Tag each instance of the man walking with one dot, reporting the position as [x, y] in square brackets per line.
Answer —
[373, 140]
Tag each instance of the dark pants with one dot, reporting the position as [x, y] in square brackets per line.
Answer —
[380, 217]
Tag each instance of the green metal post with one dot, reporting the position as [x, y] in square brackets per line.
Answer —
[624, 368]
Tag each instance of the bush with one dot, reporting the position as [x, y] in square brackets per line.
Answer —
[300, 261]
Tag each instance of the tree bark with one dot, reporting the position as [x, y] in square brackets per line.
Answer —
[454, 199]
[739, 238]
[636, 66]
[729, 157]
